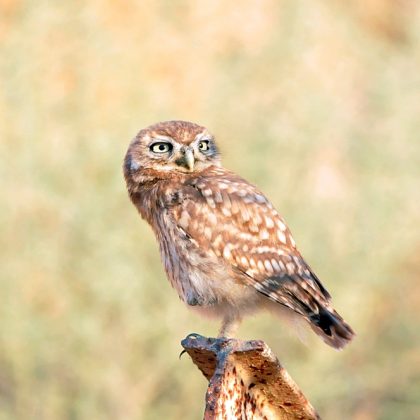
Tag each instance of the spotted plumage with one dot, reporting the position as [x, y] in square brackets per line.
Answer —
[225, 249]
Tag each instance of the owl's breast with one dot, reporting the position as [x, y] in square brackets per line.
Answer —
[200, 277]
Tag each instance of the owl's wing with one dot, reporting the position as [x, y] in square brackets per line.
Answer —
[225, 215]
[232, 219]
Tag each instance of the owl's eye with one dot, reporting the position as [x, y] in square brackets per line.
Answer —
[161, 147]
[204, 145]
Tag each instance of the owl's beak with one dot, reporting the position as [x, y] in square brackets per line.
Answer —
[188, 160]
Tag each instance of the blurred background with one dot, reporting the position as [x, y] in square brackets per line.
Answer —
[316, 102]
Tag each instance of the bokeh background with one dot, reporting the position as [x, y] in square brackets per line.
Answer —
[316, 102]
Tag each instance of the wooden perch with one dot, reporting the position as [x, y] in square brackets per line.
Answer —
[246, 381]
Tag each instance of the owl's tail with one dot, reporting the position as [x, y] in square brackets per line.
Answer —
[329, 325]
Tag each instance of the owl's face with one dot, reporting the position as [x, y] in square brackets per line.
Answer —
[170, 147]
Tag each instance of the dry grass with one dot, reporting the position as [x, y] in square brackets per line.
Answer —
[316, 102]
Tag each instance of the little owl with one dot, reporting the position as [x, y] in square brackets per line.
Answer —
[225, 249]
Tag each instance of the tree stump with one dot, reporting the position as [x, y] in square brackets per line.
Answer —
[246, 381]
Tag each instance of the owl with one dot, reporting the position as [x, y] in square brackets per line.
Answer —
[224, 247]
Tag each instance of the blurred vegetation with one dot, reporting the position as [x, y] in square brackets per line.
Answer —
[316, 102]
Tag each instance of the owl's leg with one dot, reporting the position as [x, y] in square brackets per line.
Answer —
[230, 325]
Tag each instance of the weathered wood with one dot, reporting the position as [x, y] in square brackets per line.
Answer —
[246, 381]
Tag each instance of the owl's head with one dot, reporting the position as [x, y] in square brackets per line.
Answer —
[167, 148]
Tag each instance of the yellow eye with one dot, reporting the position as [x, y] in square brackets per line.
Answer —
[204, 145]
[161, 147]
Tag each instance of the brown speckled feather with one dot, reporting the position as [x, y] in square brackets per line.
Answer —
[244, 230]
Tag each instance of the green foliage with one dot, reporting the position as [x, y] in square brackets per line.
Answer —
[316, 103]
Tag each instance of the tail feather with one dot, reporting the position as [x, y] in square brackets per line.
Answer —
[331, 328]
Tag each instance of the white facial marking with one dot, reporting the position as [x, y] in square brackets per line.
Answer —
[163, 168]
[205, 135]
[161, 137]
